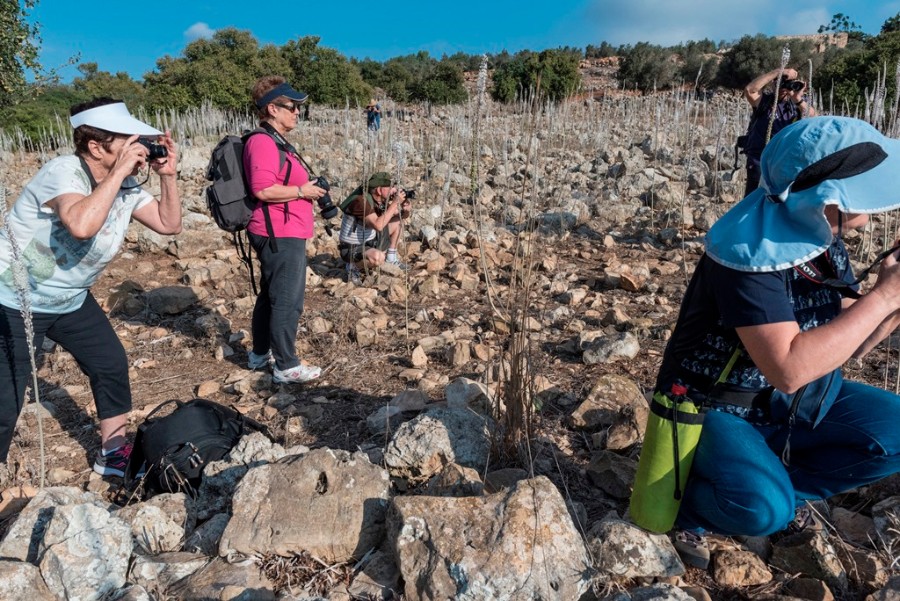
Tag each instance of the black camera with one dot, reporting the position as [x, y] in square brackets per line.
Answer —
[410, 193]
[154, 151]
[794, 85]
[326, 205]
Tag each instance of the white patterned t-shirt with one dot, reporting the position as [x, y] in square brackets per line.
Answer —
[61, 268]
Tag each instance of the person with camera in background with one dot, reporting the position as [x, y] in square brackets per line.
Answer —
[281, 224]
[792, 105]
[371, 225]
[66, 226]
[373, 115]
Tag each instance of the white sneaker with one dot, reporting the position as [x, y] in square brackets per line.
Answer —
[255, 361]
[296, 375]
[398, 264]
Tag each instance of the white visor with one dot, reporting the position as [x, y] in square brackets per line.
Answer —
[115, 118]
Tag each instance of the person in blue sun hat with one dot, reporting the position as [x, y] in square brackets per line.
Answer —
[771, 313]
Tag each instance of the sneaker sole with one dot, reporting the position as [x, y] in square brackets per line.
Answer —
[278, 380]
[105, 470]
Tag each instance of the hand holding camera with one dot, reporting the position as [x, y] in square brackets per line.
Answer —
[326, 205]
[162, 154]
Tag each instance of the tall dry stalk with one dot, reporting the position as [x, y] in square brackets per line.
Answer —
[785, 57]
[20, 283]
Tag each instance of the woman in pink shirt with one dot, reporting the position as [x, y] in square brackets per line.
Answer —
[282, 222]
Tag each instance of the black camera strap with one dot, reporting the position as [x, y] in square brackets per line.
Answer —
[812, 272]
[286, 146]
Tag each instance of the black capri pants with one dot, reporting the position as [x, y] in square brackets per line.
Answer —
[85, 333]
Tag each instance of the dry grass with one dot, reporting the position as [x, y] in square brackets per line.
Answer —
[305, 573]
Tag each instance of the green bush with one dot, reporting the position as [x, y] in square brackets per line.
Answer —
[752, 56]
[647, 67]
[43, 116]
[554, 73]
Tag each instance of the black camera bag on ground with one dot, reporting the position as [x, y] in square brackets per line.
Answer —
[174, 448]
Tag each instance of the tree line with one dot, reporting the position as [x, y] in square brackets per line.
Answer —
[220, 70]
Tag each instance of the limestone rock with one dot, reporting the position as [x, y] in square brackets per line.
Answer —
[22, 580]
[735, 567]
[515, 545]
[623, 551]
[328, 503]
[84, 552]
[423, 445]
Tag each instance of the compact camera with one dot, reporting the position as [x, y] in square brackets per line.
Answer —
[794, 85]
[326, 205]
[154, 151]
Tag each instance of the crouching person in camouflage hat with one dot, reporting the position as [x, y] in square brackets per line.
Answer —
[371, 225]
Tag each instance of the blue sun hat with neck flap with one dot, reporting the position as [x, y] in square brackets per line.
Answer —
[810, 164]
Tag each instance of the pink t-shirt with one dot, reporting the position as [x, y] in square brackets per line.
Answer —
[292, 219]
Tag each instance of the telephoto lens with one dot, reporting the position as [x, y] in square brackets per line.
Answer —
[326, 206]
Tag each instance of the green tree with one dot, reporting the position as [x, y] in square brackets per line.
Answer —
[604, 50]
[221, 69]
[443, 84]
[324, 73]
[647, 67]
[94, 83]
[752, 56]
[840, 23]
[555, 71]
[698, 65]
[43, 115]
[19, 46]
[852, 72]
[891, 25]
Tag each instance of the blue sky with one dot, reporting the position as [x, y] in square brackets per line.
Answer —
[129, 35]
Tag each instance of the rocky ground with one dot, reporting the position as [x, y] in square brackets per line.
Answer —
[553, 289]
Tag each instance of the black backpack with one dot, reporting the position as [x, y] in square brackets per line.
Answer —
[228, 197]
[173, 449]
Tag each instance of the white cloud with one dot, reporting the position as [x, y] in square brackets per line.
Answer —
[197, 31]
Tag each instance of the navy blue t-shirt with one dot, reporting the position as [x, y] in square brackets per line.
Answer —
[719, 299]
[786, 112]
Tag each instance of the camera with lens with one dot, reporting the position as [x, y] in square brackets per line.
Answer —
[326, 205]
[154, 151]
[794, 85]
[410, 193]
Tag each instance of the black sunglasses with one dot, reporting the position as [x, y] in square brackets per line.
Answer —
[294, 106]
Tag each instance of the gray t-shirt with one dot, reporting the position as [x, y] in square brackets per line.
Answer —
[60, 267]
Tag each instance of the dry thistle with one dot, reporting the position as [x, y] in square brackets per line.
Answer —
[21, 284]
[785, 57]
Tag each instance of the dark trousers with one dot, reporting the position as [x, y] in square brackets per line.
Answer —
[85, 333]
[752, 179]
[279, 305]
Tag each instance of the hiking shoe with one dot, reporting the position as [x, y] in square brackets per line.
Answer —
[398, 264]
[114, 462]
[296, 375]
[353, 275]
[805, 519]
[692, 548]
[255, 361]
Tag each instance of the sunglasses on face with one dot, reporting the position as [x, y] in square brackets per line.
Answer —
[293, 106]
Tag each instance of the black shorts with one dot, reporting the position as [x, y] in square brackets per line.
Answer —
[354, 253]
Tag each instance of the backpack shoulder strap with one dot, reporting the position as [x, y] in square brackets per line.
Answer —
[282, 155]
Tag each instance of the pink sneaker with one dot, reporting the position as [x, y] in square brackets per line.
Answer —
[114, 462]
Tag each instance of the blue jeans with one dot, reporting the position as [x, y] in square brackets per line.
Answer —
[278, 308]
[739, 485]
